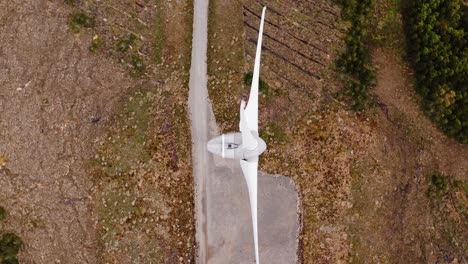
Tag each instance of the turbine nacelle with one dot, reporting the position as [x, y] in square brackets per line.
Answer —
[230, 146]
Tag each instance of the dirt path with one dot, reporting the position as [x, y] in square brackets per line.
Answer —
[50, 94]
[396, 92]
[201, 115]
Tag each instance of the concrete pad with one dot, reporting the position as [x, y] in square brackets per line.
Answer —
[228, 219]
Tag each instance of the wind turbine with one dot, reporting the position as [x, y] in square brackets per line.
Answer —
[246, 145]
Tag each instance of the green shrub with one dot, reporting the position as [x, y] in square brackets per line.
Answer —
[10, 245]
[96, 44]
[81, 20]
[138, 68]
[439, 185]
[126, 42]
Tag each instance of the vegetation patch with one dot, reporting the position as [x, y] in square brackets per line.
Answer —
[81, 20]
[263, 87]
[118, 154]
[71, 2]
[274, 133]
[387, 29]
[437, 46]
[137, 66]
[3, 214]
[128, 48]
[96, 44]
[441, 185]
[354, 61]
[10, 245]
[127, 42]
[117, 211]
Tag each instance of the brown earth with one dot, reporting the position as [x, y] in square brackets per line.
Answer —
[97, 162]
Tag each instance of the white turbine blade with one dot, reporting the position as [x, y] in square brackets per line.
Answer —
[250, 172]
[248, 140]
[252, 106]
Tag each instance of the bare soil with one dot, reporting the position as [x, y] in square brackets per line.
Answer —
[52, 90]
[95, 144]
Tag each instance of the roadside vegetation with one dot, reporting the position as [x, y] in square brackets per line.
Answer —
[144, 193]
[438, 47]
[225, 61]
[354, 61]
[143, 186]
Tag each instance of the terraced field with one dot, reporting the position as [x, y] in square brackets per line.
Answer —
[300, 41]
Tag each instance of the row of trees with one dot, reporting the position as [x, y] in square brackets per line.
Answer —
[437, 45]
[354, 61]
